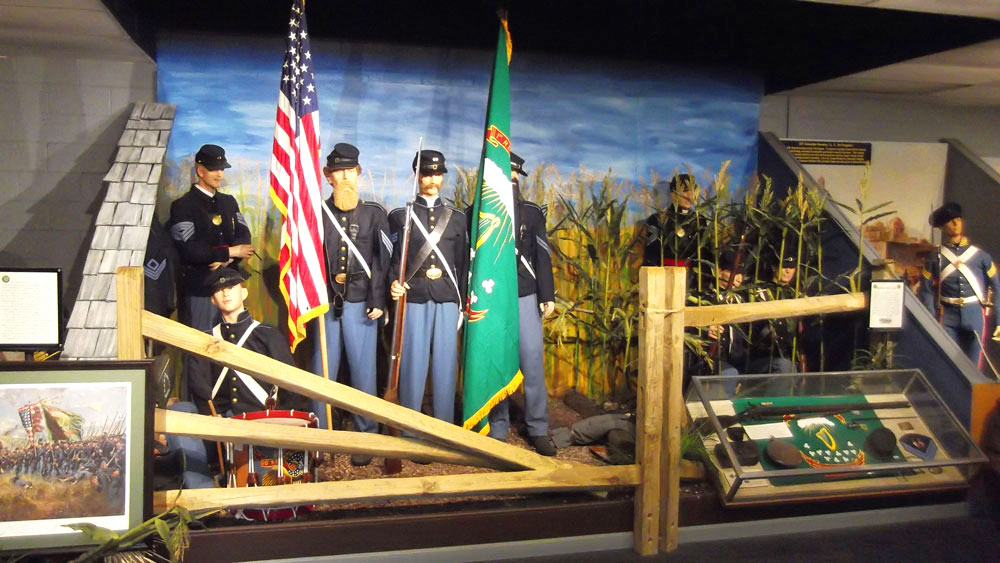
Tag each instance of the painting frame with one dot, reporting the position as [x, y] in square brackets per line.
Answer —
[103, 384]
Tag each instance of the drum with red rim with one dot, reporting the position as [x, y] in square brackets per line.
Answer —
[260, 466]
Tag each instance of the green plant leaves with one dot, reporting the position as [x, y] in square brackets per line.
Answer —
[95, 533]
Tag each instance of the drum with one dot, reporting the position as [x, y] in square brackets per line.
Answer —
[261, 466]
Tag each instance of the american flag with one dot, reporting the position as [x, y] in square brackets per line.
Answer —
[295, 183]
[32, 418]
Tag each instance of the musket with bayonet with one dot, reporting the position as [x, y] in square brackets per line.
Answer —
[393, 465]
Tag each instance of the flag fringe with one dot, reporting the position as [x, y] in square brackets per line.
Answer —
[298, 329]
[495, 400]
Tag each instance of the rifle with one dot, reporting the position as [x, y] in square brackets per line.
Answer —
[715, 347]
[764, 411]
[938, 313]
[393, 465]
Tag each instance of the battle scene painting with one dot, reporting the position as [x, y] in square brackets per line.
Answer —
[63, 452]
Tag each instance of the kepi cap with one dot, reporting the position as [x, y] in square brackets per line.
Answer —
[222, 278]
[344, 155]
[212, 157]
[431, 162]
[517, 164]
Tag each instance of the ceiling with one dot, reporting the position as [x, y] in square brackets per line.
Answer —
[945, 52]
[967, 76]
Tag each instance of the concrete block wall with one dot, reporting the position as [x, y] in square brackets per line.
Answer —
[61, 119]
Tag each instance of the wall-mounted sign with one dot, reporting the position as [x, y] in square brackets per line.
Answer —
[831, 152]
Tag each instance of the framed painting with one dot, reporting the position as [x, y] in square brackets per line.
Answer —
[74, 441]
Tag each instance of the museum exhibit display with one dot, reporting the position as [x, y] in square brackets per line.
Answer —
[781, 437]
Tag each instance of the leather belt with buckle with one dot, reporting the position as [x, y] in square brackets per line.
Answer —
[959, 301]
[340, 278]
[433, 272]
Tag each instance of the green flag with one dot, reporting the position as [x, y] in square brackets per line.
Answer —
[491, 363]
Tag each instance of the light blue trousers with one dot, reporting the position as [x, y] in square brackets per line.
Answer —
[355, 334]
[532, 353]
[430, 337]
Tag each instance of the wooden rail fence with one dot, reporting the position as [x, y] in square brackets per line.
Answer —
[655, 476]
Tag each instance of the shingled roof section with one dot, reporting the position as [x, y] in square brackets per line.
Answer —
[121, 231]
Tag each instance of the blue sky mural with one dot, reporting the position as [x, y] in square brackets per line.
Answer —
[634, 119]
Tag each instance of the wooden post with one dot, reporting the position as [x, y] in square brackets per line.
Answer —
[661, 341]
[129, 294]
[673, 347]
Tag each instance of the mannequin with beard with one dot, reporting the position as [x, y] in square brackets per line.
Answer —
[536, 300]
[357, 249]
[437, 274]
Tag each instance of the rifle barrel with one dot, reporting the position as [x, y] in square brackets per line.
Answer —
[757, 411]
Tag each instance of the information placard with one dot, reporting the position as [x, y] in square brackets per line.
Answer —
[886, 305]
[29, 309]
[841, 153]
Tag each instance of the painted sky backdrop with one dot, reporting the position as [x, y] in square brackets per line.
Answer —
[636, 120]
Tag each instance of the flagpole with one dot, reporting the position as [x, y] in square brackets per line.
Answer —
[326, 368]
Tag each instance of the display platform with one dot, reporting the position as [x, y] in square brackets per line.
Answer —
[781, 437]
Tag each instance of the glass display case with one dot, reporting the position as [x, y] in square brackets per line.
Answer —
[781, 437]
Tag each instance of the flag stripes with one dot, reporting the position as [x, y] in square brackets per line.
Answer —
[295, 183]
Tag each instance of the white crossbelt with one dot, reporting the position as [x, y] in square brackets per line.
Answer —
[524, 261]
[347, 240]
[248, 381]
[959, 263]
[444, 261]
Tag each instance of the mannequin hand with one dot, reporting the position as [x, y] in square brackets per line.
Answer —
[241, 251]
[996, 334]
[396, 290]
[374, 313]
[547, 308]
[714, 331]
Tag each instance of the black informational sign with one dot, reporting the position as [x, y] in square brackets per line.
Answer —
[830, 152]
[29, 309]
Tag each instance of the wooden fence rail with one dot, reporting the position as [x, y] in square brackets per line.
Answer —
[655, 477]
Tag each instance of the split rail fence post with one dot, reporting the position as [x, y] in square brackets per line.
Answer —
[129, 285]
[659, 406]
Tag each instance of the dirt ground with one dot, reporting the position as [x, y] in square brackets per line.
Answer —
[337, 467]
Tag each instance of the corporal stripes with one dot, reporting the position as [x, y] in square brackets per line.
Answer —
[295, 183]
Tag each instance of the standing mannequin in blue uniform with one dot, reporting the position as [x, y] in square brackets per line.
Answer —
[437, 274]
[209, 232]
[955, 283]
[536, 299]
[357, 250]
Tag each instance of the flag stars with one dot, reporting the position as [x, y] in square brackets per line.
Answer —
[309, 55]
[310, 88]
[306, 101]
